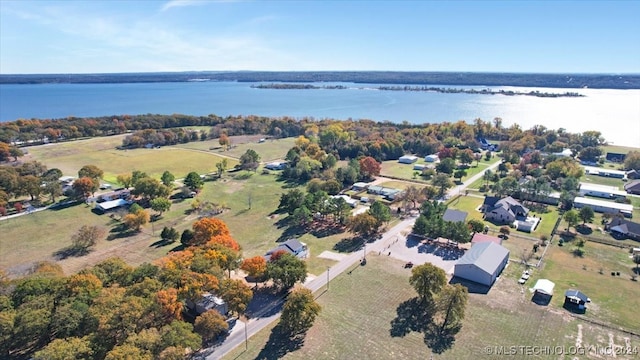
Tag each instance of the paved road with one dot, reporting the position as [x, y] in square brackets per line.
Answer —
[237, 335]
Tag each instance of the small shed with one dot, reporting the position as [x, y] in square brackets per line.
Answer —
[408, 159]
[544, 287]
[419, 167]
[432, 158]
[575, 300]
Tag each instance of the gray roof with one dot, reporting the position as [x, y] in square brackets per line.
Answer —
[290, 246]
[454, 215]
[576, 294]
[487, 256]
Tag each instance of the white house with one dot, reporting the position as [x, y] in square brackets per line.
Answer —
[432, 158]
[591, 170]
[419, 167]
[351, 202]
[482, 263]
[607, 192]
[112, 205]
[408, 159]
[603, 206]
[276, 165]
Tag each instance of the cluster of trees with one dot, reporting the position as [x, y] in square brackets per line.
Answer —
[7, 152]
[302, 207]
[112, 309]
[161, 137]
[369, 222]
[346, 139]
[431, 224]
[28, 179]
[439, 308]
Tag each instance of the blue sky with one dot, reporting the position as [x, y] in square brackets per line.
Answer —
[190, 35]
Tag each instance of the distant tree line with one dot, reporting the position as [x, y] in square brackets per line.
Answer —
[575, 81]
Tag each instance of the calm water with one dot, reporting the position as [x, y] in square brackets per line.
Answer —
[616, 113]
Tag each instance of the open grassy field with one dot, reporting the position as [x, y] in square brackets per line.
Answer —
[405, 171]
[70, 157]
[348, 327]
[269, 150]
[615, 299]
[618, 149]
[255, 228]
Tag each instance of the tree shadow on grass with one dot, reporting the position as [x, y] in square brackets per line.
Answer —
[415, 315]
[119, 232]
[440, 340]
[162, 242]
[349, 244]
[281, 343]
[584, 229]
[412, 315]
[70, 251]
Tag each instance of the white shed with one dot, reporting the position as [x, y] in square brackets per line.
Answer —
[482, 263]
[432, 158]
[408, 159]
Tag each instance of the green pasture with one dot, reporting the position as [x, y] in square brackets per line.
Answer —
[615, 299]
[70, 157]
[360, 306]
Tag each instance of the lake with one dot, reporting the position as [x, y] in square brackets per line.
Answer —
[615, 113]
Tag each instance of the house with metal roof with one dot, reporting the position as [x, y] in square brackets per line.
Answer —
[408, 159]
[603, 206]
[602, 191]
[482, 263]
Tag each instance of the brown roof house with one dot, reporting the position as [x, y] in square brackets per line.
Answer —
[503, 211]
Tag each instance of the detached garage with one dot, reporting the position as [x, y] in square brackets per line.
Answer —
[483, 263]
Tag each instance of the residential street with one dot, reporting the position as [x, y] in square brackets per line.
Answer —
[237, 334]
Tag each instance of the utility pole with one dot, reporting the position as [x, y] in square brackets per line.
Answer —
[328, 268]
[246, 338]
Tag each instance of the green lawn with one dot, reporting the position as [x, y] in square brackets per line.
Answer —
[615, 298]
[403, 171]
[268, 150]
[70, 157]
[358, 310]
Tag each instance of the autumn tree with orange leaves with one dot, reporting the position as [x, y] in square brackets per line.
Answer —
[255, 267]
[206, 228]
[369, 167]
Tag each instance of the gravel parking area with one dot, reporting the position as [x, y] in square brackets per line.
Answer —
[412, 250]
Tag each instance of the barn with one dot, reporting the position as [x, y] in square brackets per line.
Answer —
[483, 263]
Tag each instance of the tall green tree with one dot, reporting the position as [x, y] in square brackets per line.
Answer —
[193, 181]
[427, 280]
[442, 182]
[380, 212]
[167, 179]
[160, 205]
[250, 160]
[299, 312]
[571, 217]
[451, 304]
[586, 214]
[286, 270]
